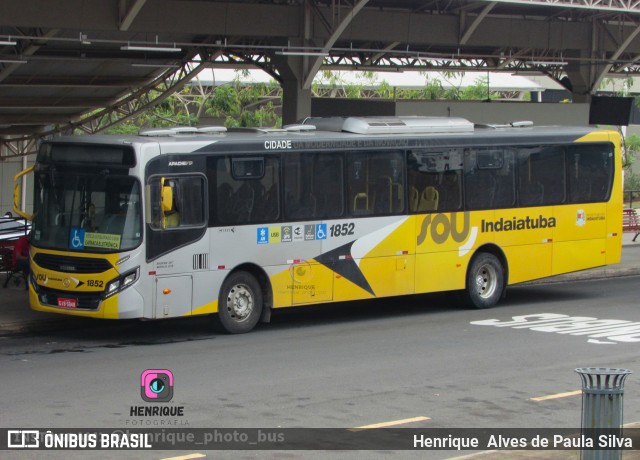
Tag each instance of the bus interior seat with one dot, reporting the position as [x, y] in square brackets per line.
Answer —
[414, 198]
[429, 199]
[361, 203]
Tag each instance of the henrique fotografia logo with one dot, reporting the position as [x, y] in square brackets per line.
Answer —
[156, 385]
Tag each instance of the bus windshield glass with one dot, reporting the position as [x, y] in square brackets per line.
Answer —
[86, 212]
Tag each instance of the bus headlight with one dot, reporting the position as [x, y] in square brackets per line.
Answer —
[122, 282]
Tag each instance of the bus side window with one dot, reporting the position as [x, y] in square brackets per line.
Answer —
[434, 180]
[247, 189]
[180, 202]
[313, 184]
[541, 175]
[590, 172]
[357, 184]
[376, 183]
[482, 170]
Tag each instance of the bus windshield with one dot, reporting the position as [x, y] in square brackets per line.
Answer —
[86, 212]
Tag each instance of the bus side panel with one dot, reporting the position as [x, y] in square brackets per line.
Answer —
[614, 216]
[588, 234]
[390, 266]
[445, 244]
[440, 271]
[579, 240]
[525, 236]
[528, 262]
[311, 282]
[378, 263]
[614, 232]
[281, 283]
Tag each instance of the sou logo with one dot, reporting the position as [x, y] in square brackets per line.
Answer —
[441, 227]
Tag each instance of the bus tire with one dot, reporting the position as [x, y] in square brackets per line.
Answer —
[240, 303]
[485, 281]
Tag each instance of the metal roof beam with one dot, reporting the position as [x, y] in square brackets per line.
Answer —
[474, 25]
[128, 12]
[612, 60]
[331, 41]
[615, 6]
[73, 82]
[47, 103]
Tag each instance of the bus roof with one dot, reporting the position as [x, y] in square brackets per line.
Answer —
[345, 128]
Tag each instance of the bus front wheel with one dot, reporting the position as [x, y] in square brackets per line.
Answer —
[485, 281]
[240, 303]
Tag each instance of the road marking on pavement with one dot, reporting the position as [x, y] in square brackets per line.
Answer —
[392, 423]
[186, 457]
[557, 396]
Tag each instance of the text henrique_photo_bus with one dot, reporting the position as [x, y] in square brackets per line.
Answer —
[235, 223]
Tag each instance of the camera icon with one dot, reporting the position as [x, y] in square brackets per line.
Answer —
[156, 385]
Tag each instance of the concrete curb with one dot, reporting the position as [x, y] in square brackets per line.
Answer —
[588, 275]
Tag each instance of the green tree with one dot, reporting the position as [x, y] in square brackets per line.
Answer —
[245, 105]
[630, 146]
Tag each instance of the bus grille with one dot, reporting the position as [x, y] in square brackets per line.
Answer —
[70, 264]
[86, 301]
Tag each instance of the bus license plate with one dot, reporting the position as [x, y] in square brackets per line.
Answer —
[67, 303]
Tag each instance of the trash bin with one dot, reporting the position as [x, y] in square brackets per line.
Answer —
[602, 397]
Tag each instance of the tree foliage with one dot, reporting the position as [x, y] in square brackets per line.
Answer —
[240, 104]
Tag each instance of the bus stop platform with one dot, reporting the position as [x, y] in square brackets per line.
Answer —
[17, 318]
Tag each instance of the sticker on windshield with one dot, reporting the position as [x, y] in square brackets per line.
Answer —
[102, 240]
[76, 238]
[80, 239]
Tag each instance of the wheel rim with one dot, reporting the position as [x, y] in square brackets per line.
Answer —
[240, 302]
[486, 281]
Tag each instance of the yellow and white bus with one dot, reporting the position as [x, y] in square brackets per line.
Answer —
[235, 223]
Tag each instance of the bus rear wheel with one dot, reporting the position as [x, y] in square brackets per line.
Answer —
[485, 281]
[240, 303]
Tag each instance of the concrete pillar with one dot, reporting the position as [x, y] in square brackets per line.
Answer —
[581, 78]
[296, 101]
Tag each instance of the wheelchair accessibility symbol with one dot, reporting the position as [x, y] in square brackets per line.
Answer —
[321, 231]
[76, 238]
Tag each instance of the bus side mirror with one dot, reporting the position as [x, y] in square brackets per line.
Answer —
[167, 198]
[166, 201]
[17, 194]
